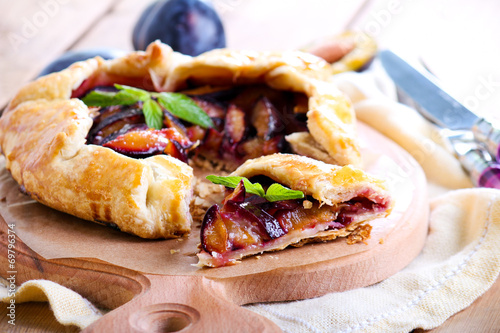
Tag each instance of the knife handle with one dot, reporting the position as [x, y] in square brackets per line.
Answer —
[487, 133]
[483, 172]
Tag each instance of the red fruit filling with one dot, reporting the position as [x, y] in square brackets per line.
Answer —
[244, 222]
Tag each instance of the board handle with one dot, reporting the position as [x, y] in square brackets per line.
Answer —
[181, 303]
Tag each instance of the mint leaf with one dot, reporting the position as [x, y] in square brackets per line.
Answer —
[254, 188]
[231, 182]
[124, 96]
[106, 98]
[184, 108]
[153, 114]
[138, 94]
[277, 192]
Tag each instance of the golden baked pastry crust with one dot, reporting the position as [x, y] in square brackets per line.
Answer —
[43, 133]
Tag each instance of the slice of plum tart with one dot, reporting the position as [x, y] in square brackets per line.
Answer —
[318, 202]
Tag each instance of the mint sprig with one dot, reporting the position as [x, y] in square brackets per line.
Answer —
[185, 108]
[177, 104]
[275, 192]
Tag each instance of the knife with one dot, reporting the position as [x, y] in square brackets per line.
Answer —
[438, 106]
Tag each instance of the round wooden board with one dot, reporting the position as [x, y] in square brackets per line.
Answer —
[153, 288]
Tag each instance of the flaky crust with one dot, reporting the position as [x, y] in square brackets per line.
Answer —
[45, 151]
[329, 184]
[304, 144]
[43, 133]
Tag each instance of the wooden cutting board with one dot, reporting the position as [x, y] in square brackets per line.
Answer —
[153, 286]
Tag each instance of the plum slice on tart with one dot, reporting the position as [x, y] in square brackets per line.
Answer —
[320, 202]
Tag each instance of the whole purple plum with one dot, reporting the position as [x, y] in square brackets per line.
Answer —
[188, 26]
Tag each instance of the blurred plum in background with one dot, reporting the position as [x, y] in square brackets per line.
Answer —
[188, 26]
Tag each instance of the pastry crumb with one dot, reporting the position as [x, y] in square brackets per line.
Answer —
[211, 165]
[360, 234]
[307, 204]
[205, 194]
[174, 251]
[381, 241]
[198, 201]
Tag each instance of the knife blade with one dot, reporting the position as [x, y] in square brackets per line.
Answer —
[437, 105]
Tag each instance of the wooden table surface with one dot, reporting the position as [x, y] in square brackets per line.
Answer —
[457, 40]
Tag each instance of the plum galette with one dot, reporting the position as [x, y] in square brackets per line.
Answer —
[116, 142]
